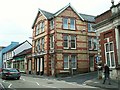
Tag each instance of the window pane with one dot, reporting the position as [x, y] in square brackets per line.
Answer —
[51, 24]
[72, 24]
[107, 48]
[73, 42]
[108, 60]
[89, 43]
[111, 46]
[65, 23]
[65, 41]
[66, 61]
[37, 30]
[73, 61]
[51, 42]
[42, 41]
[112, 59]
[95, 43]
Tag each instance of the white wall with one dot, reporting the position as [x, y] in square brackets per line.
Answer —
[22, 47]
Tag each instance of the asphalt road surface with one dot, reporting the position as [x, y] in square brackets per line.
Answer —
[44, 83]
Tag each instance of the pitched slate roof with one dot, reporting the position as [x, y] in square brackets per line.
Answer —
[88, 18]
[49, 15]
[9, 47]
[18, 46]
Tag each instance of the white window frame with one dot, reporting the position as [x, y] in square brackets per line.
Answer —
[71, 41]
[70, 58]
[75, 61]
[68, 62]
[42, 26]
[65, 25]
[37, 29]
[67, 41]
[109, 52]
[72, 27]
[42, 43]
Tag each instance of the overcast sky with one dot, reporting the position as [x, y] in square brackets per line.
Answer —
[17, 16]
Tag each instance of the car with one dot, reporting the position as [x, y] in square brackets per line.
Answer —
[10, 73]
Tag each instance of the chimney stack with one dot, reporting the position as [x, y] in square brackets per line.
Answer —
[112, 1]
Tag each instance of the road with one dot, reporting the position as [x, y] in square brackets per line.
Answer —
[43, 82]
[81, 78]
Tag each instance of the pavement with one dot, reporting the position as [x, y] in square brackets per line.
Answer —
[115, 84]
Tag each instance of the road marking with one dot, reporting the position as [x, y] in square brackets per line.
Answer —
[3, 81]
[10, 86]
[37, 83]
[1, 85]
[23, 79]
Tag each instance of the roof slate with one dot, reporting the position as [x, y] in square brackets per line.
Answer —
[88, 18]
[9, 47]
[48, 15]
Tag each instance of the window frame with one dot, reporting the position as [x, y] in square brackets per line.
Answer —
[42, 43]
[73, 25]
[52, 24]
[71, 41]
[67, 62]
[75, 62]
[52, 42]
[67, 41]
[65, 26]
[109, 54]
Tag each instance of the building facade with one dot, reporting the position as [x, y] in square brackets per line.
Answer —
[108, 32]
[23, 61]
[60, 42]
[8, 60]
[5, 55]
[92, 41]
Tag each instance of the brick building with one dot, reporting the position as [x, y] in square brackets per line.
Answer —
[92, 41]
[108, 31]
[60, 42]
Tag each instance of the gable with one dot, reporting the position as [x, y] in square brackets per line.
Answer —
[39, 17]
[68, 12]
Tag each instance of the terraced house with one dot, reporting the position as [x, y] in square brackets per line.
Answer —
[60, 42]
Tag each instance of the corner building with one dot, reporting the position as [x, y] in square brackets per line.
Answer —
[60, 43]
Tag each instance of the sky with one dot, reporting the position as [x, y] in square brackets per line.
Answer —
[17, 16]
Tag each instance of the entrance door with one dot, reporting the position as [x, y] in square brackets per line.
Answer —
[91, 63]
[29, 66]
[52, 66]
[38, 66]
